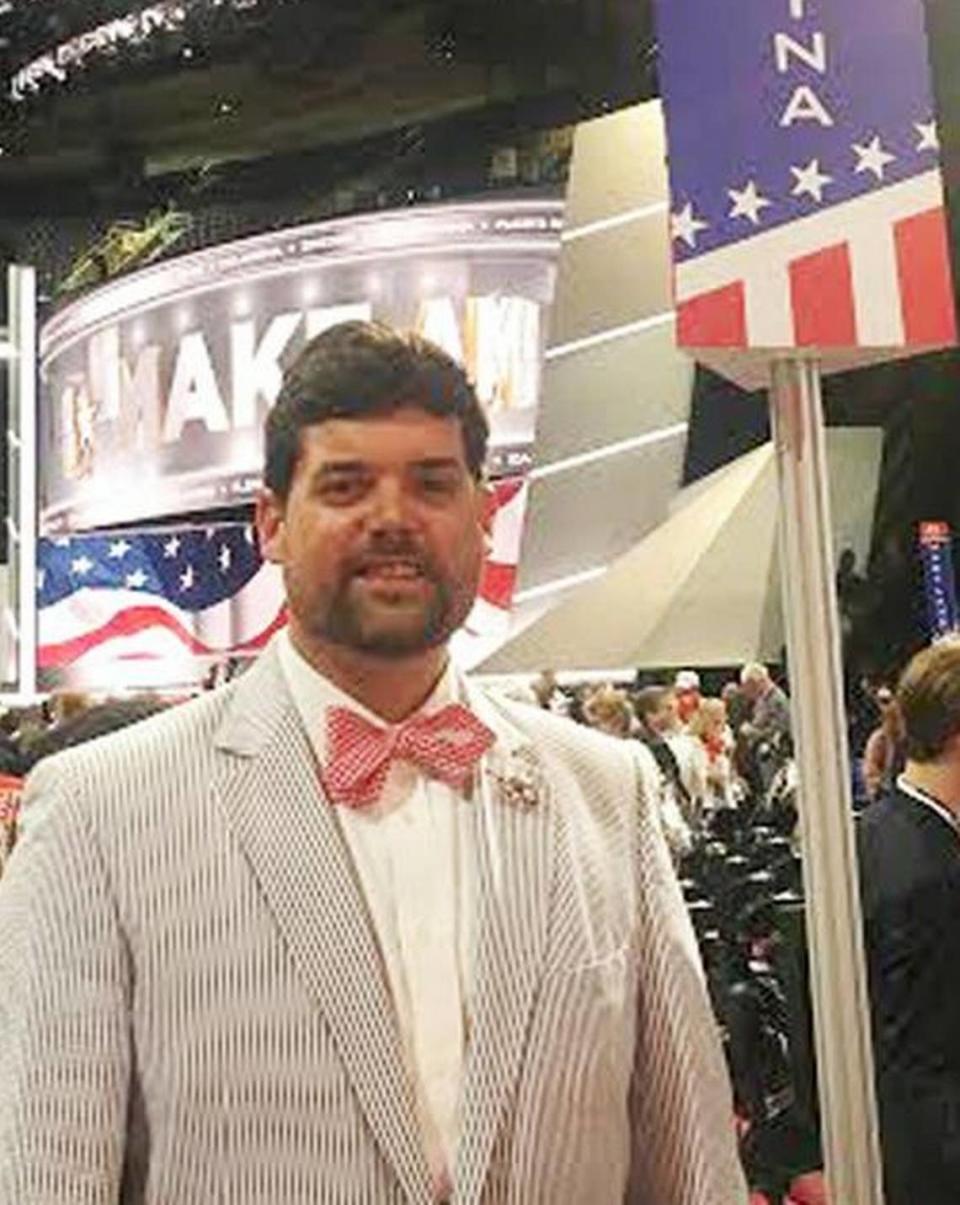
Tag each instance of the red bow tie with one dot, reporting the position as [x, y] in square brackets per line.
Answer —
[445, 745]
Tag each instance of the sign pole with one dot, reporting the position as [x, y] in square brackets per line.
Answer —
[21, 615]
[835, 936]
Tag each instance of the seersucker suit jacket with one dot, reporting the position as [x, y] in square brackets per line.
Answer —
[194, 1010]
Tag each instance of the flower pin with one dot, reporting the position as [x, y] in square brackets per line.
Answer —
[521, 783]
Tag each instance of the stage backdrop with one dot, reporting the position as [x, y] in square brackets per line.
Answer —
[154, 388]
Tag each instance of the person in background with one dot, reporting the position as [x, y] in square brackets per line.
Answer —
[549, 694]
[659, 729]
[609, 710]
[351, 929]
[708, 724]
[908, 844]
[687, 690]
[738, 706]
[885, 751]
[770, 707]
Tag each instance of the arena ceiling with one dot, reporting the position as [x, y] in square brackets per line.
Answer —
[113, 98]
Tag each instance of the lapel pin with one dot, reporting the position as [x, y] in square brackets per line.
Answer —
[519, 784]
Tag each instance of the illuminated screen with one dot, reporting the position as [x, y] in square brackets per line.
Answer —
[154, 387]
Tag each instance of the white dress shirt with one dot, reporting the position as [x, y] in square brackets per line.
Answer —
[413, 852]
[692, 764]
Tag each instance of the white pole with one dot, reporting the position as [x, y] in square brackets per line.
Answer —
[22, 462]
[834, 932]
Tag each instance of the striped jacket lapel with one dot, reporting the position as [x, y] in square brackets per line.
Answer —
[269, 788]
[514, 858]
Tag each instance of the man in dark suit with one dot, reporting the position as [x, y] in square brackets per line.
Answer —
[656, 711]
[909, 850]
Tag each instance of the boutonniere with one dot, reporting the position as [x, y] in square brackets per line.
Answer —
[518, 779]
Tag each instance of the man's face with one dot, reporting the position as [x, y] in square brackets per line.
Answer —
[750, 689]
[382, 534]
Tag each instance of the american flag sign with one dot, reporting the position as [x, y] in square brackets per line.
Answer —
[157, 607]
[152, 607]
[807, 205]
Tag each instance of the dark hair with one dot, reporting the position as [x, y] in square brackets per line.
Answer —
[929, 700]
[651, 699]
[362, 368]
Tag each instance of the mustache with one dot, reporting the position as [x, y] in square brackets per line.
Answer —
[387, 548]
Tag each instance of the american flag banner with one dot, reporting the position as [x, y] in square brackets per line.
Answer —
[807, 202]
[491, 612]
[152, 608]
[158, 607]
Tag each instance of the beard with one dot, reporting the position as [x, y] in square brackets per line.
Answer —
[385, 623]
[388, 628]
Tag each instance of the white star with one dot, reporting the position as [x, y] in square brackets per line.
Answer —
[747, 202]
[872, 157]
[810, 180]
[224, 558]
[136, 579]
[119, 549]
[172, 547]
[684, 225]
[186, 578]
[61, 542]
[248, 533]
[929, 136]
[41, 578]
[81, 566]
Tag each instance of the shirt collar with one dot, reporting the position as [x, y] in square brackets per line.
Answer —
[921, 796]
[313, 694]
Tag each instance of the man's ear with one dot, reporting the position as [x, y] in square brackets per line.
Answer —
[271, 526]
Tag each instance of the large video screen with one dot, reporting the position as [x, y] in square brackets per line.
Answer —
[154, 387]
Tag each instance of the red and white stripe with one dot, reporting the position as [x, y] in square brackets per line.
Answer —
[102, 627]
[869, 273]
[495, 599]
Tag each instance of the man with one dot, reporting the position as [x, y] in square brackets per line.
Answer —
[348, 930]
[737, 704]
[680, 756]
[686, 686]
[770, 714]
[656, 712]
[909, 849]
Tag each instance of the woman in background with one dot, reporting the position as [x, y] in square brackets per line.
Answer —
[709, 725]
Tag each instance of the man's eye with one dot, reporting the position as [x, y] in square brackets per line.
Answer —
[439, 484]
[341, 489]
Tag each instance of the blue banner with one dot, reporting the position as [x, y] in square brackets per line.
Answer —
[939, 581]
[807, 199]
[810, 102]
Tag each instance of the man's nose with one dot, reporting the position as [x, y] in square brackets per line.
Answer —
[389, 505]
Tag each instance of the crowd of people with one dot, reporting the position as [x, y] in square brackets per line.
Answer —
[712, 752]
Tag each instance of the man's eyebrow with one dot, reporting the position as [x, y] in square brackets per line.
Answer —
[341, 466]
[438, 462]
[331, 468]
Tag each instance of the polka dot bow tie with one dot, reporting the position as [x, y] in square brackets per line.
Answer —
[445, 745]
